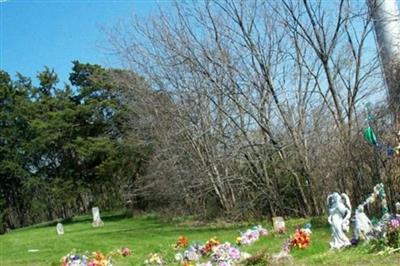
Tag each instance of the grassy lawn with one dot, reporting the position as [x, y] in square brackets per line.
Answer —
[147, 234]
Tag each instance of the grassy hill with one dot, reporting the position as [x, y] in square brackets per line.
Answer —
[147, 234]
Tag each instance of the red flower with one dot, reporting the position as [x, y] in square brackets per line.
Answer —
[182, 242]
[300, 239]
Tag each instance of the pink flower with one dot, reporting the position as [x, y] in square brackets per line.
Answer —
[394, 224]
[126, 252]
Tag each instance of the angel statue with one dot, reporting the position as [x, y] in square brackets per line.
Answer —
[339, 209]
[363, 225]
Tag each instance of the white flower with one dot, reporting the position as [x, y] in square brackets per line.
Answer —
[178, 257]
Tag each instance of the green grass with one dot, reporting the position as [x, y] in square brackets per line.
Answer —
[147, 234]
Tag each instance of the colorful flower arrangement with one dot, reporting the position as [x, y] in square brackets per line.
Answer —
[125, 252]
[301, 239]
[99, 259]
[154, 259]
[208, 246]
[225, 254]
[219, 254]
[95, 259]
[393, 232]
[251, 235]
[72, 259]
[387, 240]
[182, 242]
[194, 252]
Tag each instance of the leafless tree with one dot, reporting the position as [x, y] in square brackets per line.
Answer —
[264, 101]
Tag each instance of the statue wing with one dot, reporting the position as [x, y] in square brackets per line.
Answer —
[346, 200]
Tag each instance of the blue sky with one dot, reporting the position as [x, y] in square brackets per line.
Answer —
[35, 33]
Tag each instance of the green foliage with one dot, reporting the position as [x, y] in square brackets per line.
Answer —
[62, 149]
[319, 221]
[394, 238]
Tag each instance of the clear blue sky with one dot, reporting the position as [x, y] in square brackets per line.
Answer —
[38, 33]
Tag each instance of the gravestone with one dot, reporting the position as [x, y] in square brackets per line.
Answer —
[97, 222]
[60, 229]
[398, 208]
[279, 224]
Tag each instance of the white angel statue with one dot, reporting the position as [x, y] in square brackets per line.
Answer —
[339, 208]
[363, 225]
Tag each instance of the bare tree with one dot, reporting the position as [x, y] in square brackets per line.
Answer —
[265, 99]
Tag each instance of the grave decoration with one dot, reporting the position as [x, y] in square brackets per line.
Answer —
[182, 242]
[388, 240]
[60, 229]
[382, 233]
[125, 252]
[209, 245]
[251, 235]
[218, 254]
[372, 139]
[279, 225]
[97, 222]
[364, 227]
[213, 253]
[154, 259]
[93, 259]
[339, 209]
[301, 239]
[225, 254]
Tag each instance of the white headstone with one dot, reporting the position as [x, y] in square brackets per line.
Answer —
[279, 224]
[60, 229]
[398, 208]
[96, 217]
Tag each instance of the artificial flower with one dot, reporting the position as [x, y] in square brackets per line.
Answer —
[182, 242]
[301, 239]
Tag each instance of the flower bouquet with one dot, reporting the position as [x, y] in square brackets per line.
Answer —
[154, 259]
[182, 242]
[251, 235]
[393, 233]
[208, 246]
[225, 254]
[72, 259]
[301, 239]
[125, 252]
[99, 259]
[96, 259]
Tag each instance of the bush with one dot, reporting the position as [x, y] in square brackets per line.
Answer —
[319, 222]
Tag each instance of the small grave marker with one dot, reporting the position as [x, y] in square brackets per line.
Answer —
[60, 229]
[97, 222]
[279, 224]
